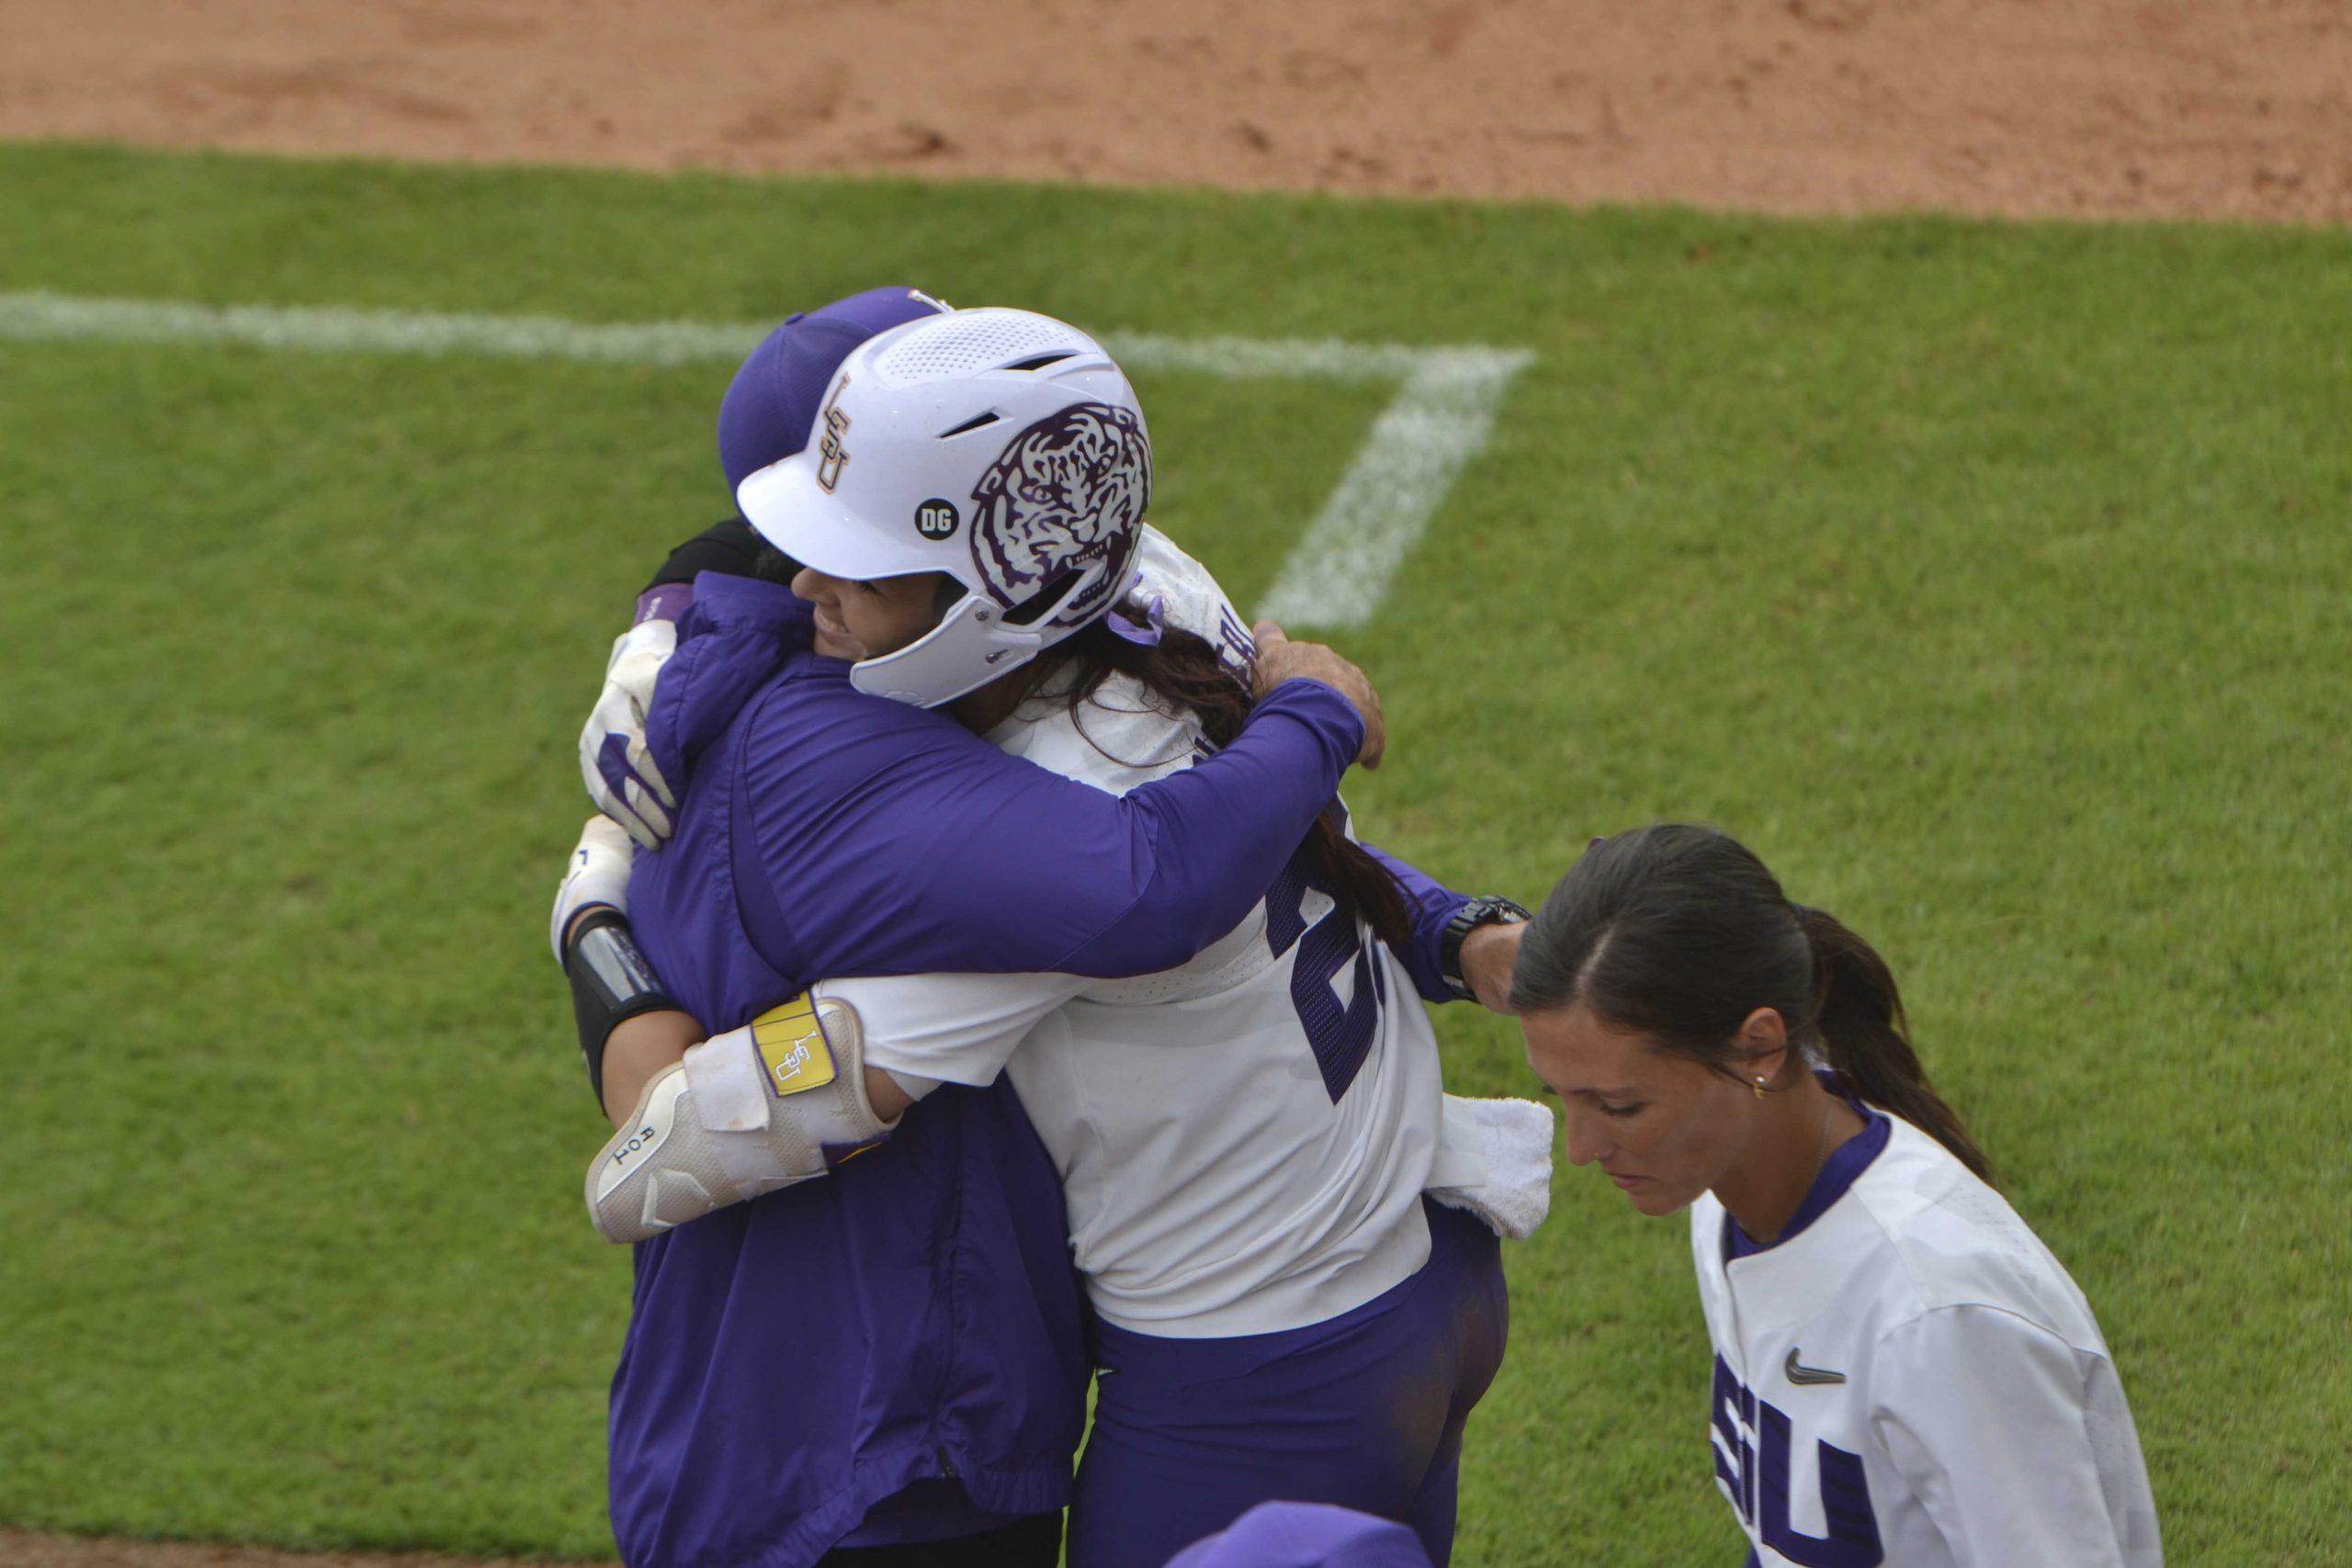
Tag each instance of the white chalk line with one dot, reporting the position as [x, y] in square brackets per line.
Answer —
[1342, 566]
[1336, 576]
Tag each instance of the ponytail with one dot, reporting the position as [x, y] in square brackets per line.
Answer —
[1858, 1013]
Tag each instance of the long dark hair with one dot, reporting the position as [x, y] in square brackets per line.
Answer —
[1680, 933]
[1181, 672]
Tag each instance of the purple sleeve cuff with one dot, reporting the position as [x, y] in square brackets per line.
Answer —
[1432, 906]
[663, 602]
[1332, 718]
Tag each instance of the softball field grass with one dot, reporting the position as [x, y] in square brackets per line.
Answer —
[1990, 580]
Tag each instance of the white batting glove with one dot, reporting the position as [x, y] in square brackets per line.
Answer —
[598, 873]
[622, 780]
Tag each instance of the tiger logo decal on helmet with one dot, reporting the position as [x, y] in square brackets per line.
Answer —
[1080, 477]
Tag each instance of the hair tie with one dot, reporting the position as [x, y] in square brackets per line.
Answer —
[1145, 633]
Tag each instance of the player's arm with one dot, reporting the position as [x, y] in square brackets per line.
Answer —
[774, 1104]
[628, 1054]
[638, 1050]
[710, 1122]
[943, 854]
[1986, 1417]
[926, 1030]
[700, 1125]
[1208, 842]
[901, 843]
[1461, 947]
[630, 1029]
[889, 874]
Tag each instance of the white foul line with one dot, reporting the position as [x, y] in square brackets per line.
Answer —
[1337, 575]
[1340, 569]
[54, 317]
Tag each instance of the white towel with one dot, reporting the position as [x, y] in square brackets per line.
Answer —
[1494, 1160]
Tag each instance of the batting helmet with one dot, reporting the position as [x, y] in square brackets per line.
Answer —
[1002, 447]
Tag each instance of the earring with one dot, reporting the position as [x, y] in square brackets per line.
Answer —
[1759, 1087]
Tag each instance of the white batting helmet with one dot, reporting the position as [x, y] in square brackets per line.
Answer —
[1002, 447]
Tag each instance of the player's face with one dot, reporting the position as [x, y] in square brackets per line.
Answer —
[867, 620]
[1662, 1127]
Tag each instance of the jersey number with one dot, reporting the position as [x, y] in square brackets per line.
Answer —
[1339, 1034]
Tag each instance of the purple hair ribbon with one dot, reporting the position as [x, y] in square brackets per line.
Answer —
[1146, 633]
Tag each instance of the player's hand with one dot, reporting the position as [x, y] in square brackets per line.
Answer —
[622, 780]
[596, 873]
[1280, 660]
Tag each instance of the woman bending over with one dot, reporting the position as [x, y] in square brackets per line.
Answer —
[1903, 1373]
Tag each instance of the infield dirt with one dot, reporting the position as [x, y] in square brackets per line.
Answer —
[2116, 108]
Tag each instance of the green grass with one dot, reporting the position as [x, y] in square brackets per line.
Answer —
[1991, 580]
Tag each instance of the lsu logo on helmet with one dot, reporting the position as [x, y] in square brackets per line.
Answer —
[1068, 492]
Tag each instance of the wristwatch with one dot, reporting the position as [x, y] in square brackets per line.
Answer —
[1489, 911]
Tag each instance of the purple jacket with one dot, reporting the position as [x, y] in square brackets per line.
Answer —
[794, 1360]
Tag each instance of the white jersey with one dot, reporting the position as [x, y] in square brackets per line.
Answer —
[1243, 1140]
[1910, 1377]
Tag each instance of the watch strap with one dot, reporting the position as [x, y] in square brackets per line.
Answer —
[1489, 910]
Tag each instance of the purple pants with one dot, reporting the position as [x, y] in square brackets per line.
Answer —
[1365, 1411]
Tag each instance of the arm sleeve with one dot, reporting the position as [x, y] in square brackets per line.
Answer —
[898, 844]
[1987, 1417]
[1432, 906]
[954, 1028]
[729, 549]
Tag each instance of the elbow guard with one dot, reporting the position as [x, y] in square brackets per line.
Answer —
[778, 1102]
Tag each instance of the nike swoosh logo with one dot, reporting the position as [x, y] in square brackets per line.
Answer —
[1801, 1373]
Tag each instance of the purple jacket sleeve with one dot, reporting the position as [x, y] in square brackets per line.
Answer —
[895, 843]
[1431, 905]
[1222, 832]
